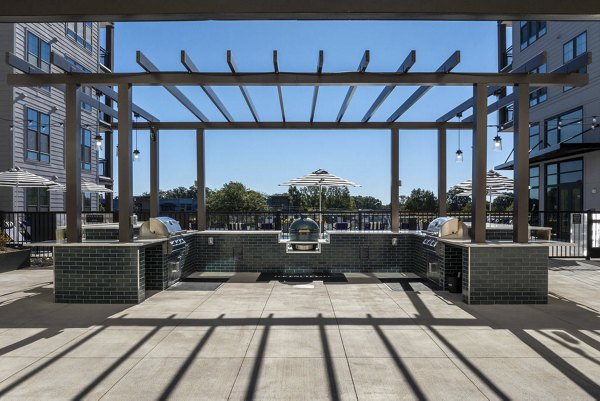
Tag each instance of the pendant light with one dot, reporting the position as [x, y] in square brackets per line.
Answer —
[459, 153]
[497, 141]
[136, 152]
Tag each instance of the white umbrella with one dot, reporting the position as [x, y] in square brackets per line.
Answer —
[320, 178]
[17, 178]
[86, 186]
[496, 185]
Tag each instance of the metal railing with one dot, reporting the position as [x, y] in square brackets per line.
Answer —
[579, 231]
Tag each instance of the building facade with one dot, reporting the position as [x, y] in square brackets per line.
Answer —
[32, 119]
[564, 130]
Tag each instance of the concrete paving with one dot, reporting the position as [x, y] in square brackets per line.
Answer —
[302, 341]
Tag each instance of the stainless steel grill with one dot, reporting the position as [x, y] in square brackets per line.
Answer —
[176, 249]
[442, 227]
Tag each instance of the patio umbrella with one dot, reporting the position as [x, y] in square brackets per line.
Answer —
[17, 178]
[86, 186]
[320, 178]
[496, 185]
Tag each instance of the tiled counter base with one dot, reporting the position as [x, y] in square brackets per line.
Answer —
[505, 274]
[103, 273]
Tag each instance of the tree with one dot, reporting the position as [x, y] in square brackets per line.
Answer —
[503, 203]
[367, 202]
[235, 197]
[456, 203]
[421, 200]
[338, 198]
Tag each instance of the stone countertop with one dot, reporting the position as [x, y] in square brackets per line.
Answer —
[508, 227]
[466, 243]
[335, 232]
[103, 226]
[232, 232]
[373, 232]
[99, 243]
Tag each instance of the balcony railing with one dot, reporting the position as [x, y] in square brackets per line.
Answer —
[568, 226]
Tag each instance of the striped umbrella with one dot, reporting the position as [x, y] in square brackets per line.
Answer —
[496, 185]
[17, 178]
[86, 186]
[320, 178]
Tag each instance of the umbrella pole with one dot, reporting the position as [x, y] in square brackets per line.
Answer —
[320, 210]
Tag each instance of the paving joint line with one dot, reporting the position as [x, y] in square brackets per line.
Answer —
[250, 343]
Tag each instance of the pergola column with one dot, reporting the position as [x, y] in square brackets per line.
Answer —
[395, 179]
[200, 180]
[73, 161]
[521, 164]
[125, 164]
[442, 171]
[479, 169]
[154, 172]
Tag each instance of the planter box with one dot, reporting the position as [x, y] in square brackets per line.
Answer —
[14, 259]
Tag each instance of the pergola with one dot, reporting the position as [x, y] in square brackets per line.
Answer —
[483, 84]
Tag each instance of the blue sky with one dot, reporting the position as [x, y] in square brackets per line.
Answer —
[263, 159]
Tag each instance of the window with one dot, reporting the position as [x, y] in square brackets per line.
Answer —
[37, 199]
[86, 149]
[534, 194]
[540, 95]
[38, 136]
[534, 137]
[566, 127]
[102, 170]
[531, 31]
[81, 32]
[38, 54]
[564, 186]
[86, 89]
[87, 201]
[573, 48]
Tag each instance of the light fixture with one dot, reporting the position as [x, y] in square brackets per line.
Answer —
[136, 152]
[98, 139]
[459, 153]
[497, 142]
[11, 127]
[594, 121]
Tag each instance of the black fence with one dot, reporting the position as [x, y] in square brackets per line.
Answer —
[579, 231]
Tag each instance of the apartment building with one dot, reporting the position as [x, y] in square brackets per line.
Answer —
[564, 131]
[32, 119]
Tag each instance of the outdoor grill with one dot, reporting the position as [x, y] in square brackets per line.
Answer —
[176, 249]
[442, 227]
[304, 234]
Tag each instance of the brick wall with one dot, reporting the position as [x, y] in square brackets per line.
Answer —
[346, 253]
[156, 268]
[507, 275]
[99, 274]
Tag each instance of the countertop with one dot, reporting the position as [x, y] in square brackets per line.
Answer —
[508, 227]
[466, 243]
[99, 243]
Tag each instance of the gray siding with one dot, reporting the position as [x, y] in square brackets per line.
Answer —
[50, 103]
[558, 33]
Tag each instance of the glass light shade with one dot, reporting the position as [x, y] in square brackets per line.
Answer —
[497, 143]
[459, 156]
[136, 154]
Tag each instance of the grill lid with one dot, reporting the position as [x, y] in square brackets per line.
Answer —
[160, 227]
[447, 227]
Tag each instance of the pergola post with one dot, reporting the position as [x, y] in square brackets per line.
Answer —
[442, 171]
[395, 179]
[521, 164]
[73, 161]
[479, 168]
[154, 173]
[200, 180]
[125, 164]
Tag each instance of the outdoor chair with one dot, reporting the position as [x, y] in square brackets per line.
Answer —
[265, 226]
[374, 226]
[237, 227]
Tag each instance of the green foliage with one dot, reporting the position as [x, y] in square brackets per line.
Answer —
[420, 200]
[367, 202]
[503, 203]
[455, 203]
[235, 197]
[307, 198]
